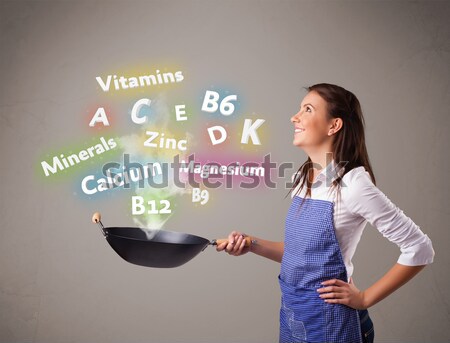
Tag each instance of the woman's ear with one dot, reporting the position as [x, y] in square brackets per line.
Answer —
[336, 125]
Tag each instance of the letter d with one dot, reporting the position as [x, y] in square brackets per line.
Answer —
[213, 138]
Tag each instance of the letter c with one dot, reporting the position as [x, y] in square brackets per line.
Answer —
[136, 108]
[84, 184]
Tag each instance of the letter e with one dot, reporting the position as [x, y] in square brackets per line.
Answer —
[179, 111]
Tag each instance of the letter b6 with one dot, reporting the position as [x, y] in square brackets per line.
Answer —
[210, 103]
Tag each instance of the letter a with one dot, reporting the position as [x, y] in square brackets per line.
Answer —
[99, 117]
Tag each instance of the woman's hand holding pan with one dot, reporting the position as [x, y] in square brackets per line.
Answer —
[235, 245]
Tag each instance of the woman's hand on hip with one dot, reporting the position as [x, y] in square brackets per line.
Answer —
[336, 291]
[235, 245]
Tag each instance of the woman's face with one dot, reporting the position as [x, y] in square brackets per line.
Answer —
[311, 123]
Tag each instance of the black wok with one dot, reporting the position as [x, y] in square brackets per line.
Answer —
[160, 248]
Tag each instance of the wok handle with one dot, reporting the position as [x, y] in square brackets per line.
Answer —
[97, 219]
[248, 241]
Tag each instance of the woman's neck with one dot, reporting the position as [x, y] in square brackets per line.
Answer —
[320, 160]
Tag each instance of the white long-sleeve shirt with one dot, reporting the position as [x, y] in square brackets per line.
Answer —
[360, 201]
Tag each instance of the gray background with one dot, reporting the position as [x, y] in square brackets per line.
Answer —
[60, 282]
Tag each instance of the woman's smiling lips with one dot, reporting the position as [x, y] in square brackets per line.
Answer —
[298, 130]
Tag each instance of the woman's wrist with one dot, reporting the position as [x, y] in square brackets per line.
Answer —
[365, 299]
[251, 241]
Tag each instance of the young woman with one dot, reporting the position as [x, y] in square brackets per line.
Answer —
[330, 208]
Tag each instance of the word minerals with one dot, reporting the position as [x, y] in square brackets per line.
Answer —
[211, 104]
[62, 162]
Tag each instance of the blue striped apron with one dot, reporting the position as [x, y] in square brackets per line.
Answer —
[312, 255]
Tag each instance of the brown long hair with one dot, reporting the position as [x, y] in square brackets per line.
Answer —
[349, 143]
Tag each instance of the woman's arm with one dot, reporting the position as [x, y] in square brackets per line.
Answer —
[236, 247]
[364, 199]
[340, 292]
[268, 249]
[396, 277]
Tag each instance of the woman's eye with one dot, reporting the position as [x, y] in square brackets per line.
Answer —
[308, 108]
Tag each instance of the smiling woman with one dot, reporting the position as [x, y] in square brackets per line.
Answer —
[320, 302]
[313, 130]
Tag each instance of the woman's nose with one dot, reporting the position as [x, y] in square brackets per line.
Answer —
[296, 117]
